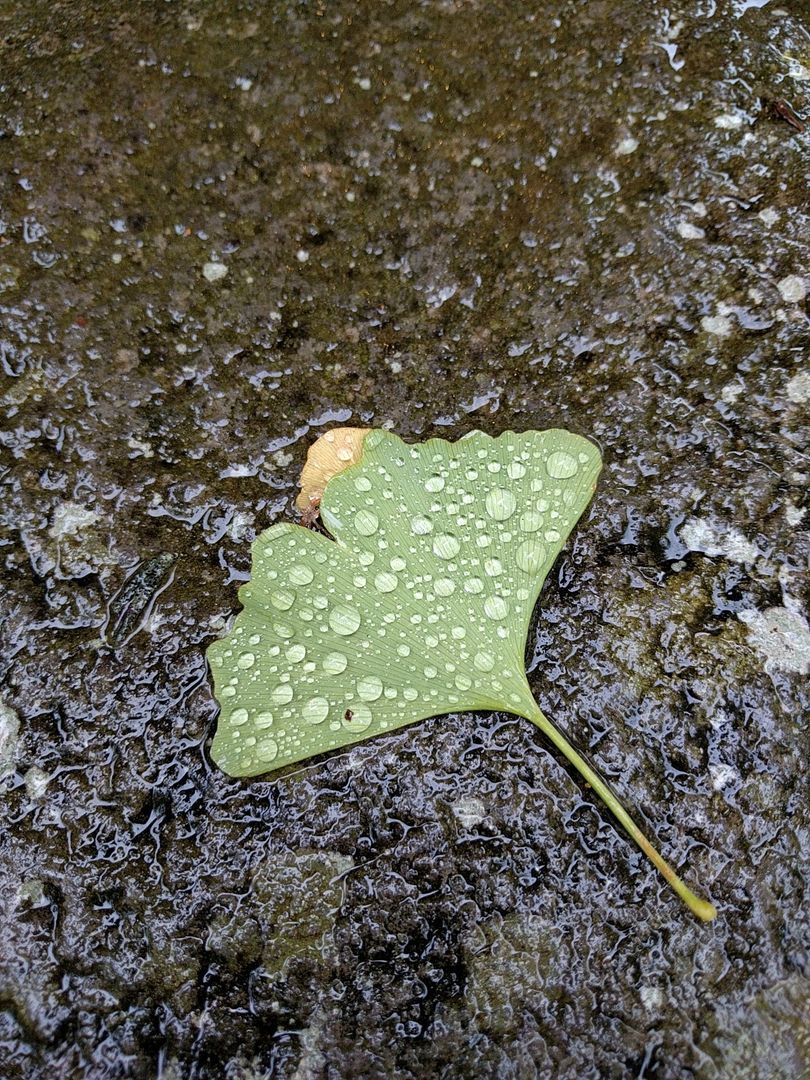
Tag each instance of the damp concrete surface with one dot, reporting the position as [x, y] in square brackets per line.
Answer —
[228, 226]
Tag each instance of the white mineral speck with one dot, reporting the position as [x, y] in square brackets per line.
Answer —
[769, 216]
[794, 515]
[35, 782]
[302, 255]
[793, 289]
[651, 998]
[470, 812]
[9, 738]
[714, 538]
[70, 518]
[798, 389]
[626, 146]
[214, 271]
[689, 231]
[782, 636]
[718, 325]
[722, 775]
[728, 121]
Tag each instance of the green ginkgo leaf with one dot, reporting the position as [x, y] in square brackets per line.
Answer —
[420, 605]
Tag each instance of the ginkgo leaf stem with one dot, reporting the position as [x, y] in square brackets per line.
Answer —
[702, 908]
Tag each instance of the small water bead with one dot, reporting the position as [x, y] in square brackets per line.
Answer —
[484, 661]
[369, 688]
[228, 691]
[263, 720]
[552, 535]
[446, 546]
[300, 575]
[495, 607]
[530, 556]
[366, 522]
[471, 474]
[343, 453]
[500, 504]
[390, 692]
[410, 694]
[359, 581]
[358, 717]
[315, 711]
[421, 525]
[458, 633]
[385, 582]
[463, 682]
[295, 653]
[267, 750]
[444, 586]
[431, 641]
[239, 717]
[403, 650]
[561, 465]
[281, 694]
[362, 483]
[246, 660]
[434, 483]
[493, 567]
[282, 599]
[473, 585]
[431, 672]
[483, 540]
[344, 620]
[515, 470]
[254, 639]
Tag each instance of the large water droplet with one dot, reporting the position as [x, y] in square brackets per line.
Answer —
[246, 660]
[366, 522]
[369, 687]
[282, 599]
[434, 483]
[484, 661]
[315, 711]
[500, 504]
[334, 663]
[531, 521]
[362, 483]
[561, 465]
[421, 525]
[515, 470]
[281, 694]
[358, 717]
[493, 567]
[496, 607]
[410, 694]
[404, 650]
[444, 586]
[446, 546]
[463, 682]
[530, 556]
[386, 582]
[344, 620]
[296, 653]
[300, 575]
[267, 750]
[473, 585]
[239, 717]
[263, 720]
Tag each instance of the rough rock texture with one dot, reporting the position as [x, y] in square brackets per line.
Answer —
[225, 226]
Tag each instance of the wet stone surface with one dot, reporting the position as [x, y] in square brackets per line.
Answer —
[225, 227]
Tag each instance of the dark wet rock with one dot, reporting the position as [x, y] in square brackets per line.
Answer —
[433, 217]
